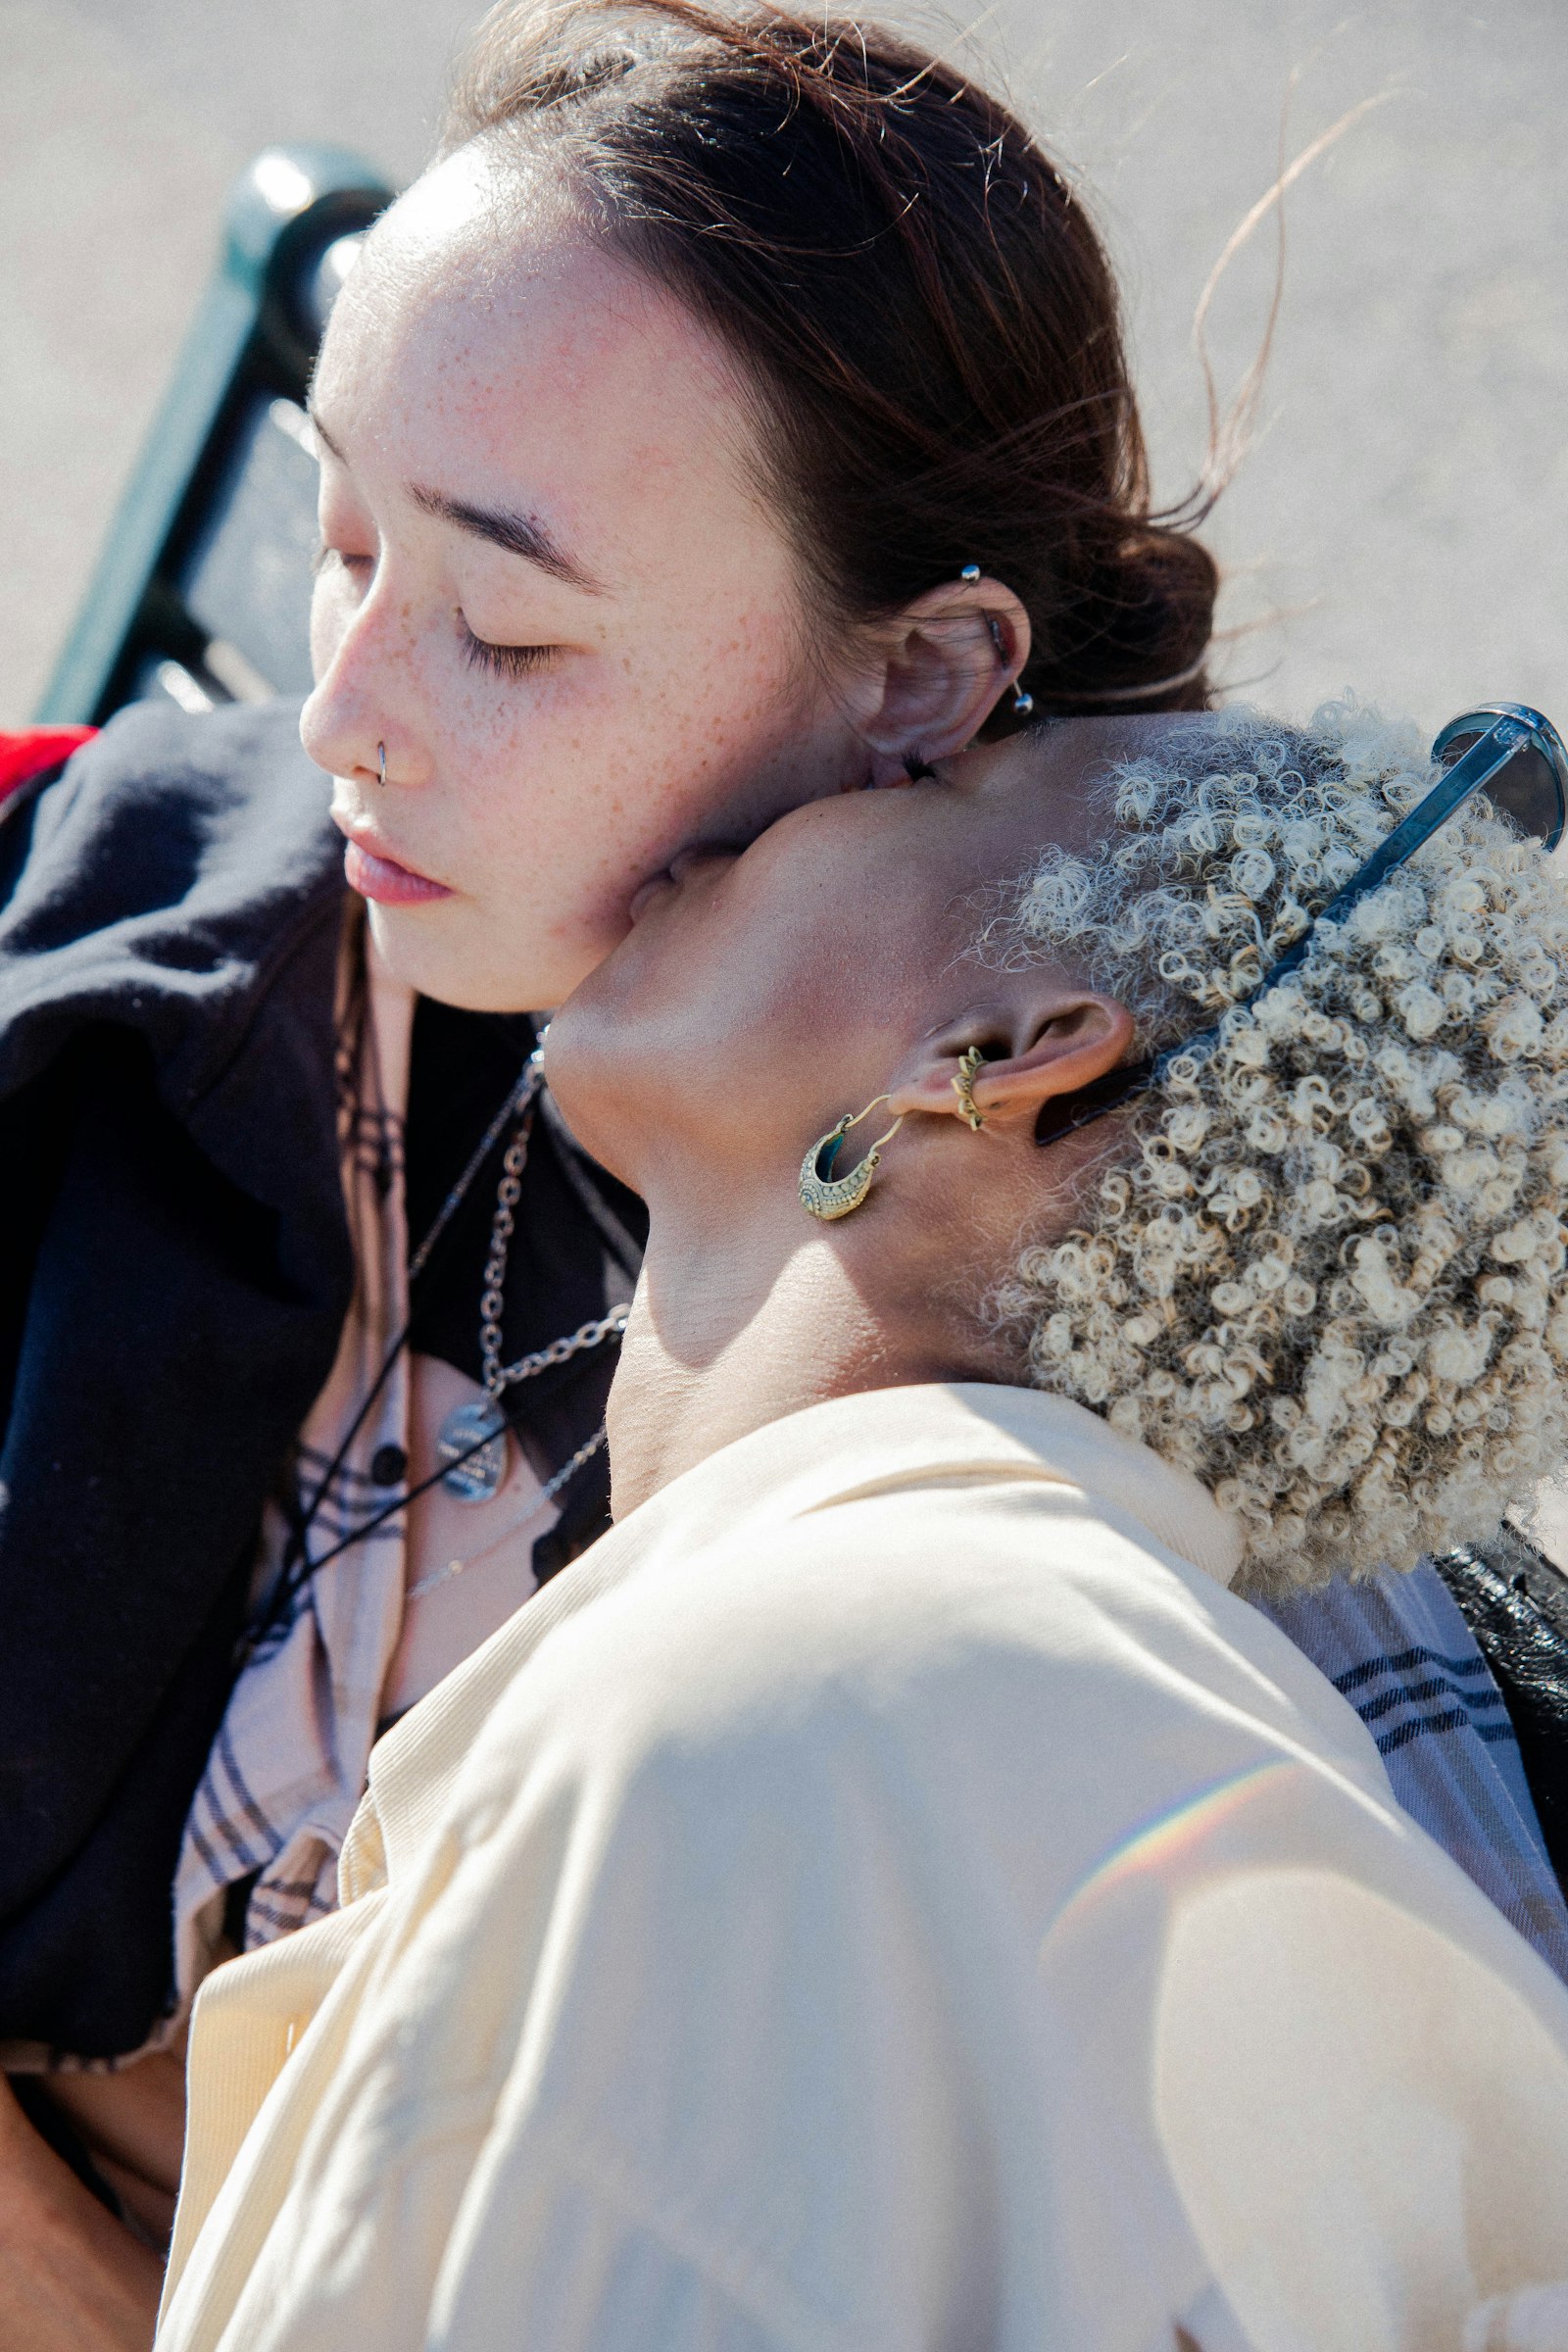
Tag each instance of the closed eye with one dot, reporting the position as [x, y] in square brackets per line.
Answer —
[503, 660]
[323, 556]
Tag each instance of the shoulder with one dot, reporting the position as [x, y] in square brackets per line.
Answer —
[161, 797]
[161, 879]
[934, 1646]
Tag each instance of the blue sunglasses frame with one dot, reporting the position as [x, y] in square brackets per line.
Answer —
[1501, 733]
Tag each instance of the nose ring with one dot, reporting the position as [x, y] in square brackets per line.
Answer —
[381, 762]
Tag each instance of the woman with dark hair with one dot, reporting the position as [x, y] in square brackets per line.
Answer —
[737, 412]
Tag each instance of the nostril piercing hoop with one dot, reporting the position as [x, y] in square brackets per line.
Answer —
[381, 762]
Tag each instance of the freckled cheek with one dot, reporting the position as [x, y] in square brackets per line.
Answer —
[600, 775]
[552, 801]
[703, 720]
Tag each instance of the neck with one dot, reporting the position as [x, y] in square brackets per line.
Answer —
[731, 1331]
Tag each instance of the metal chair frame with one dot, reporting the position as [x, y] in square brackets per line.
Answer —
[255, 336]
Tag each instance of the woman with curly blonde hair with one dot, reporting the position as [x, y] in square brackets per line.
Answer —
[896, 1888]
[1329, 1283]
[1437, 1264]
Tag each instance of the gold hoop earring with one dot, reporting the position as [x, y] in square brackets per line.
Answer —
[970, 1065]
[825, 1195]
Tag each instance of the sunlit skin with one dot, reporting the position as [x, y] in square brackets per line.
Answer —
[71, 2277]
[664, 676]
[759, 999]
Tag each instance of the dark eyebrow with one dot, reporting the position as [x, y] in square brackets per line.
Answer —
[520, 534]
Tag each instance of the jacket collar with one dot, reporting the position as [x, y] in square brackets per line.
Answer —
[161, 883]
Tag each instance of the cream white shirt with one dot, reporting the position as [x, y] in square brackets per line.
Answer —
[887, 1893]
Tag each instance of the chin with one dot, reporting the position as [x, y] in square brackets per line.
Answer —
[454, 961]
[591, 1075]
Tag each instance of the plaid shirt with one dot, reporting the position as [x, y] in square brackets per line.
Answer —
[1402, 1652]
[288, 1766]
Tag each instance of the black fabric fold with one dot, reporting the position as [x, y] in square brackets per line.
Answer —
[177, 1269]
[1515, 1602]
[174, 1278]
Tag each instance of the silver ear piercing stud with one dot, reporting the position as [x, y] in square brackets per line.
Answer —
[970, 576]
[1022, 704]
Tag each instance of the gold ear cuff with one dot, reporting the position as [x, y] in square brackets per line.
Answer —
[970, 1065]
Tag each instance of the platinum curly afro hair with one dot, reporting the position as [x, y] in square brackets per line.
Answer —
[1325, 1272]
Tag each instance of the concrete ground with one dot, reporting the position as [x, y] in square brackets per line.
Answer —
[1399, 524]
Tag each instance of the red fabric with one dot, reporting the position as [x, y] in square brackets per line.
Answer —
[27, 751]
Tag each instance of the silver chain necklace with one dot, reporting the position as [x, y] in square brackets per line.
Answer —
[546, 1494]
[473, 1438]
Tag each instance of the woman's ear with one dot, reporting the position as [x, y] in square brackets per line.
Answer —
[1031, 1054]
[937, 672]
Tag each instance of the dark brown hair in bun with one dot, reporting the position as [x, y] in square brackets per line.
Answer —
[917, 293]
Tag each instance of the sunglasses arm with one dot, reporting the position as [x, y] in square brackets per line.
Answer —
[1467, 776]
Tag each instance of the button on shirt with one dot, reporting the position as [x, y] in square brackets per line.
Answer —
[888, 1893]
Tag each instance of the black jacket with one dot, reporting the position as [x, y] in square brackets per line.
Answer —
[174, 1278]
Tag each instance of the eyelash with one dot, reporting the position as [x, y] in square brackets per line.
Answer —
[502, 660]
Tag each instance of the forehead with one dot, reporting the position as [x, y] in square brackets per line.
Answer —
[486, 331]
[1055, 781]
[1059, 777]
[1087, 753]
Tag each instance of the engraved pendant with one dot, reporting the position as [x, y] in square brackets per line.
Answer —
[480, 1477]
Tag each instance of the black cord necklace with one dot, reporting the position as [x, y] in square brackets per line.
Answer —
[491, 1420]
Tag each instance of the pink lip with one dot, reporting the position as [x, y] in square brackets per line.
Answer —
[643, 899]
[682, 867]
[388, 882]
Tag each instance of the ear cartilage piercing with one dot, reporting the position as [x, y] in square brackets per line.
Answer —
[1022, 703]
[970, 576]
[970, 1065]
[381, 762]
